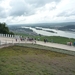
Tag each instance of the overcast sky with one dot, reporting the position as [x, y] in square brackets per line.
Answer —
[37, 11]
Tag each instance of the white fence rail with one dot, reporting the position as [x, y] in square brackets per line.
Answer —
[10, 36]
[7, 35]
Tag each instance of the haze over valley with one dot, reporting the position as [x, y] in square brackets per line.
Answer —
[51, 29]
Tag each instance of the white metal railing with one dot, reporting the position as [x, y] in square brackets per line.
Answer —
[10, 36]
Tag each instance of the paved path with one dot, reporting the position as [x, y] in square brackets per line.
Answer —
[55, 45]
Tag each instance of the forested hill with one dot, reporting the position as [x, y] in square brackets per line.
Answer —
[4, 29]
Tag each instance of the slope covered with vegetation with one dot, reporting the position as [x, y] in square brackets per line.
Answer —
[19, 60]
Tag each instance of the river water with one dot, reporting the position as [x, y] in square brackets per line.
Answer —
[44, 31]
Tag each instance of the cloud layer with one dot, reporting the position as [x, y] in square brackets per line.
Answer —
[36, 11]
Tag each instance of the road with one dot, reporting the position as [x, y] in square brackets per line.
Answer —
[4, 40]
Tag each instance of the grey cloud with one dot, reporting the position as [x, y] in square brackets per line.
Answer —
[53, 8]
[1, 9]
[1, 0]
[19, 7]
[2, 13]
[39, 3]
[27, 7]
[66, 14]
[61, 14]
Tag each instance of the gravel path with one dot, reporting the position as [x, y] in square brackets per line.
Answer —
[55, 45]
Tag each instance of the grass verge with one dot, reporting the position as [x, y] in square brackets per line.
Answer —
[48, 48]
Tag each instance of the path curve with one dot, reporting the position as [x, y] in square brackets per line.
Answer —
[55, 45]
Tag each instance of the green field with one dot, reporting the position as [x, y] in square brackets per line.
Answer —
[20, 60]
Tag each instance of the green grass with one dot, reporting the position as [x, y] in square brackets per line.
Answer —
[22, 34]
[56, 39]
[48, 48]
[20, 60]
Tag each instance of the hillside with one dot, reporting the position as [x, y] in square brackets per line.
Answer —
[68, 28]
[19, 60]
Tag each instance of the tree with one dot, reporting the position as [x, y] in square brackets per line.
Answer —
[4, 29]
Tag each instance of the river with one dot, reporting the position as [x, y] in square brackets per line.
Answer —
[45, 32]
